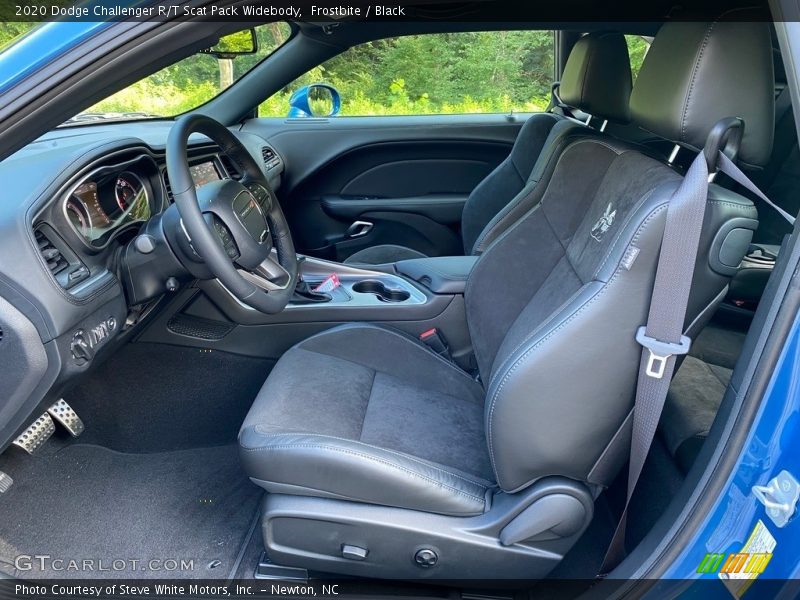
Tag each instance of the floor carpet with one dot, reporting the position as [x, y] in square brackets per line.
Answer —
[89, 503]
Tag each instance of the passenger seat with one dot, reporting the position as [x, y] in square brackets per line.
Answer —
[596, 80]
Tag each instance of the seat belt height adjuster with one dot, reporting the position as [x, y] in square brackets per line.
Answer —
[660, 352]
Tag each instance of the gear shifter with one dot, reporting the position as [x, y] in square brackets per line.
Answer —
[303, 294]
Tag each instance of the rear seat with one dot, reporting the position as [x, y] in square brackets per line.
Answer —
[699, 385]
[696, 392]
[692, 403]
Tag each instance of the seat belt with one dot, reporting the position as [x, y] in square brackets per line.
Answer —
[662, 338]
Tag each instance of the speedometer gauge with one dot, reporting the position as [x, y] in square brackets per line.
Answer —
[127, 190]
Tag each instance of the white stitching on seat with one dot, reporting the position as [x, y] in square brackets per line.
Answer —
[506, 211]
[409, 457]
[572, 317]
[372, 458]
[621, 230]
[408, 339]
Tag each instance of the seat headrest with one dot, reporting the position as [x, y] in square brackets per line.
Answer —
[698, 73]
[597, 76]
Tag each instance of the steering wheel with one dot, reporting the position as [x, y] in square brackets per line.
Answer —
[236, 227]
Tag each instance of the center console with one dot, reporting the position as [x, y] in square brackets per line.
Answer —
[415, 296]
[356, 287]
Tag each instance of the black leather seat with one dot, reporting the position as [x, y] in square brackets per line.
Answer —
[596, 80]
[373, 448]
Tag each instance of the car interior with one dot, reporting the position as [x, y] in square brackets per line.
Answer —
[385, 347]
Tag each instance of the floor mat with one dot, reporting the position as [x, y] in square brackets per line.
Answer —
[188, 511]
[159, 398]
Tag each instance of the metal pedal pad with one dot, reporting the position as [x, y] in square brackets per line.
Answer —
[64, 414]
[5, 482]
[36, 434]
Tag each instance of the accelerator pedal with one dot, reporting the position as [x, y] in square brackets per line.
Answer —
[36, 434]
[65, 415]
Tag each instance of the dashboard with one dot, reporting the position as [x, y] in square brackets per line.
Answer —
[72, 204]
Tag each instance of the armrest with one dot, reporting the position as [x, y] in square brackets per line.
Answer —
[442, 208]
[440, 274]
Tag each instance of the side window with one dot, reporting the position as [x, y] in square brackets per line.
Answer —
[448, 73]
[637, 49]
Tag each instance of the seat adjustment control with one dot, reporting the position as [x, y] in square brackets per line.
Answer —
[426, 558]
[351, 552]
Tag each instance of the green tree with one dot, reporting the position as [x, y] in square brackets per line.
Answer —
[10, 31]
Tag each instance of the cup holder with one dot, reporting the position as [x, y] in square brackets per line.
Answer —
[384, 294]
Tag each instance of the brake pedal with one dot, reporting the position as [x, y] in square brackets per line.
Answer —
[36, 434]
[64, 414]
[5, 482]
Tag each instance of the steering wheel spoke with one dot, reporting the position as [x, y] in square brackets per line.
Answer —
[269, 275]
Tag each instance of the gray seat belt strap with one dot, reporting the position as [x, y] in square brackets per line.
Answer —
[727, 166]
[662, 338]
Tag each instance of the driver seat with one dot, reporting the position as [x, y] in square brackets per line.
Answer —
[383, 459]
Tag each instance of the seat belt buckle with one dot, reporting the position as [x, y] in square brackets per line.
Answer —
[660, 352]
[436, 342]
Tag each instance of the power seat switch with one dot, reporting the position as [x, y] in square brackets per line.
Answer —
[351, 552]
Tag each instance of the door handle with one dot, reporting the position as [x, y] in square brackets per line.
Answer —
[359, 229]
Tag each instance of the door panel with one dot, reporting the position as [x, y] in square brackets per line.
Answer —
[406, 176]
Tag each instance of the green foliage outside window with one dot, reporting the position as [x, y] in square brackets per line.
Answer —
[191, 81]
[482, 72]
[11, 31]
[184, 85]
[637, 49]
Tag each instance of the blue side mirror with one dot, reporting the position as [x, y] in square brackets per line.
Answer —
[315, 100]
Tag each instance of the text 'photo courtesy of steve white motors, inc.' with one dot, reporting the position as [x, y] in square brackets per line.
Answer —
[176, 590]
[167, 11]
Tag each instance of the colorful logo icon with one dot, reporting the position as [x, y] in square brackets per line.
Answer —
[735, 562]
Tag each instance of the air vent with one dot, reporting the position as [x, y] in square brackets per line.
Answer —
[168, 188]
[52, 256]
[271, 158]
[63, 264]
[230, 166]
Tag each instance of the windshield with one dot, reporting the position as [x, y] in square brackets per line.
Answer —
[188, 83]
[182, 86]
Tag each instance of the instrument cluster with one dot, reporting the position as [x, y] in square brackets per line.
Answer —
[109, 199]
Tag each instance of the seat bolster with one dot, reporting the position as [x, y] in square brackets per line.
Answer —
[561, 135]
[329, 466]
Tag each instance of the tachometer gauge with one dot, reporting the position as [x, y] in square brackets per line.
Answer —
[127, 190]
[78, 216]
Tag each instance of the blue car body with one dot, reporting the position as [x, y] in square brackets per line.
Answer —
[41, 46]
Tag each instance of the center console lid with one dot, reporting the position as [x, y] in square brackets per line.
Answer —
[440, 274]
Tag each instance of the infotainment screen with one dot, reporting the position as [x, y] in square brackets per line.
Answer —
[204, 173]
